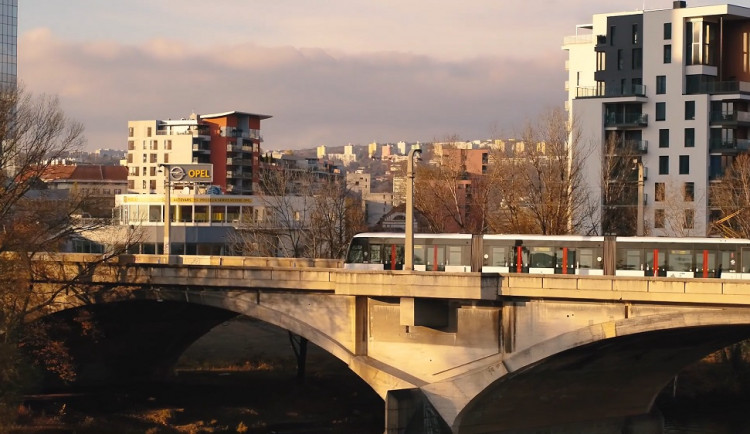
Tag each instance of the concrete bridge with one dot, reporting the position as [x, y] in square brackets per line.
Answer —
[448, 352]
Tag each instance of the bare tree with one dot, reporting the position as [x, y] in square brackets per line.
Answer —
[730, 197]
[33, 131]
[280, 221]
[336, 216]
[542, 189]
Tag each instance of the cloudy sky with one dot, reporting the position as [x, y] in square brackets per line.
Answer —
[329, 71]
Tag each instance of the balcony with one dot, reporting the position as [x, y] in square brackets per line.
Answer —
[730, 119]
[234, 161]
[728, 145]
[201, 147]
[635, 146]
[578, 39]
[240, 133]
[718, 87]
[611, 92]
[233, 147]
[626, 120]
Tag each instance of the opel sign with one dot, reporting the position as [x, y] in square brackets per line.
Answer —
[191, 172]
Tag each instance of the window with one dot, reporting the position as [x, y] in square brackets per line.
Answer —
[166, 158]
[168, 145]
[689, 137]
[601, 60]
[152, 184]
[154, 145]
[661, 111]
[684, 164]
[689, 110]
[668, 53]
[611, 35]
[620, 60]
[635, 34]
[144, 184]
[148, 132]
[130, 131]
[746, 52]
[130, 158]
[688, 191]
[689, 218]
[659, 218]
[145, 157]
[153, 158]
[661, 84]
[664, 165]
[637, 58]
[659, 191]
[663, 138]
[131, 145]
[667, 30]
[152, 171]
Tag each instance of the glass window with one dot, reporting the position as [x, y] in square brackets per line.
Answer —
[499, 257]
[233, 214]
[661, 84]
[454, 255]
[689, 191]
[154, 213]
[667, 30]
[684, 164]
[664, 138]
[635, 34]
[629, 259]
[689, 218]
[637, 58]
[689, 110]
[689, 137]
[201, 213]
[217, 213]
[661, 111]
[620, 60]
[659, 191]
[668, 53]
[664, 165]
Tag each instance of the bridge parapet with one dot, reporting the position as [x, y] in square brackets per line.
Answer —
[634, 289]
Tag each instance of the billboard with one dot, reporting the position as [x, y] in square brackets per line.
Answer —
[190, 172]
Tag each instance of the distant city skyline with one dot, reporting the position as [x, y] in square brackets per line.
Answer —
[329, 74]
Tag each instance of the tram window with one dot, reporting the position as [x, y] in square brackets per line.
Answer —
[745, 260]
[419, 255]
[355, 253]
[454, 255]
[727, 261]
[375, 256]
[542, 257]
[680, 260]
[589, 258]
[498, 256]
[629, 259]
[440, 258]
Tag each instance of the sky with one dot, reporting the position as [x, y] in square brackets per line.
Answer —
[329, 72]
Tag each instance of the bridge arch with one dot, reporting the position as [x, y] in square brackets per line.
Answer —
[608, 370]
[331, 325]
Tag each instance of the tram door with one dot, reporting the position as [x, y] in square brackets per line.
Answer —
[705, 263]
[394, 257]
[520, 263]
[655, 263]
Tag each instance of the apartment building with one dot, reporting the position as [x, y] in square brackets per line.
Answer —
[230, 141]
[661, 99]
[8, 43]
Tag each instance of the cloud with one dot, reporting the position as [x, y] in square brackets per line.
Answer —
[315, 96]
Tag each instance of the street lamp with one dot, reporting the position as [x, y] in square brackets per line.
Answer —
[167, 207]
[409, 254]
[639, 223]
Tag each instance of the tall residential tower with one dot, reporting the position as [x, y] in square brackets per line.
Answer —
[8, 44]
[662, 100]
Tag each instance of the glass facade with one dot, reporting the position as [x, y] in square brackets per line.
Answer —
[8, 45]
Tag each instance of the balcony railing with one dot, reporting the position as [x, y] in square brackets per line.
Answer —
[611, 92]
[720, 87]
[578, 39]
[626, 120]
[234, 161]
[730, 118]
[720, 144]
[638, 146]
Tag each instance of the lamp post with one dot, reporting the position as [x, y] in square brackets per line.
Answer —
[639, 223]
[167, 207]
[409, 247]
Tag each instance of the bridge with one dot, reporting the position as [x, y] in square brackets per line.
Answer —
[448, 352]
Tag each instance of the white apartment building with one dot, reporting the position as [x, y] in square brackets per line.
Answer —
[667, 92]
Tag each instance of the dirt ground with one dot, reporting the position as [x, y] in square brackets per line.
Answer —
[240, 377]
